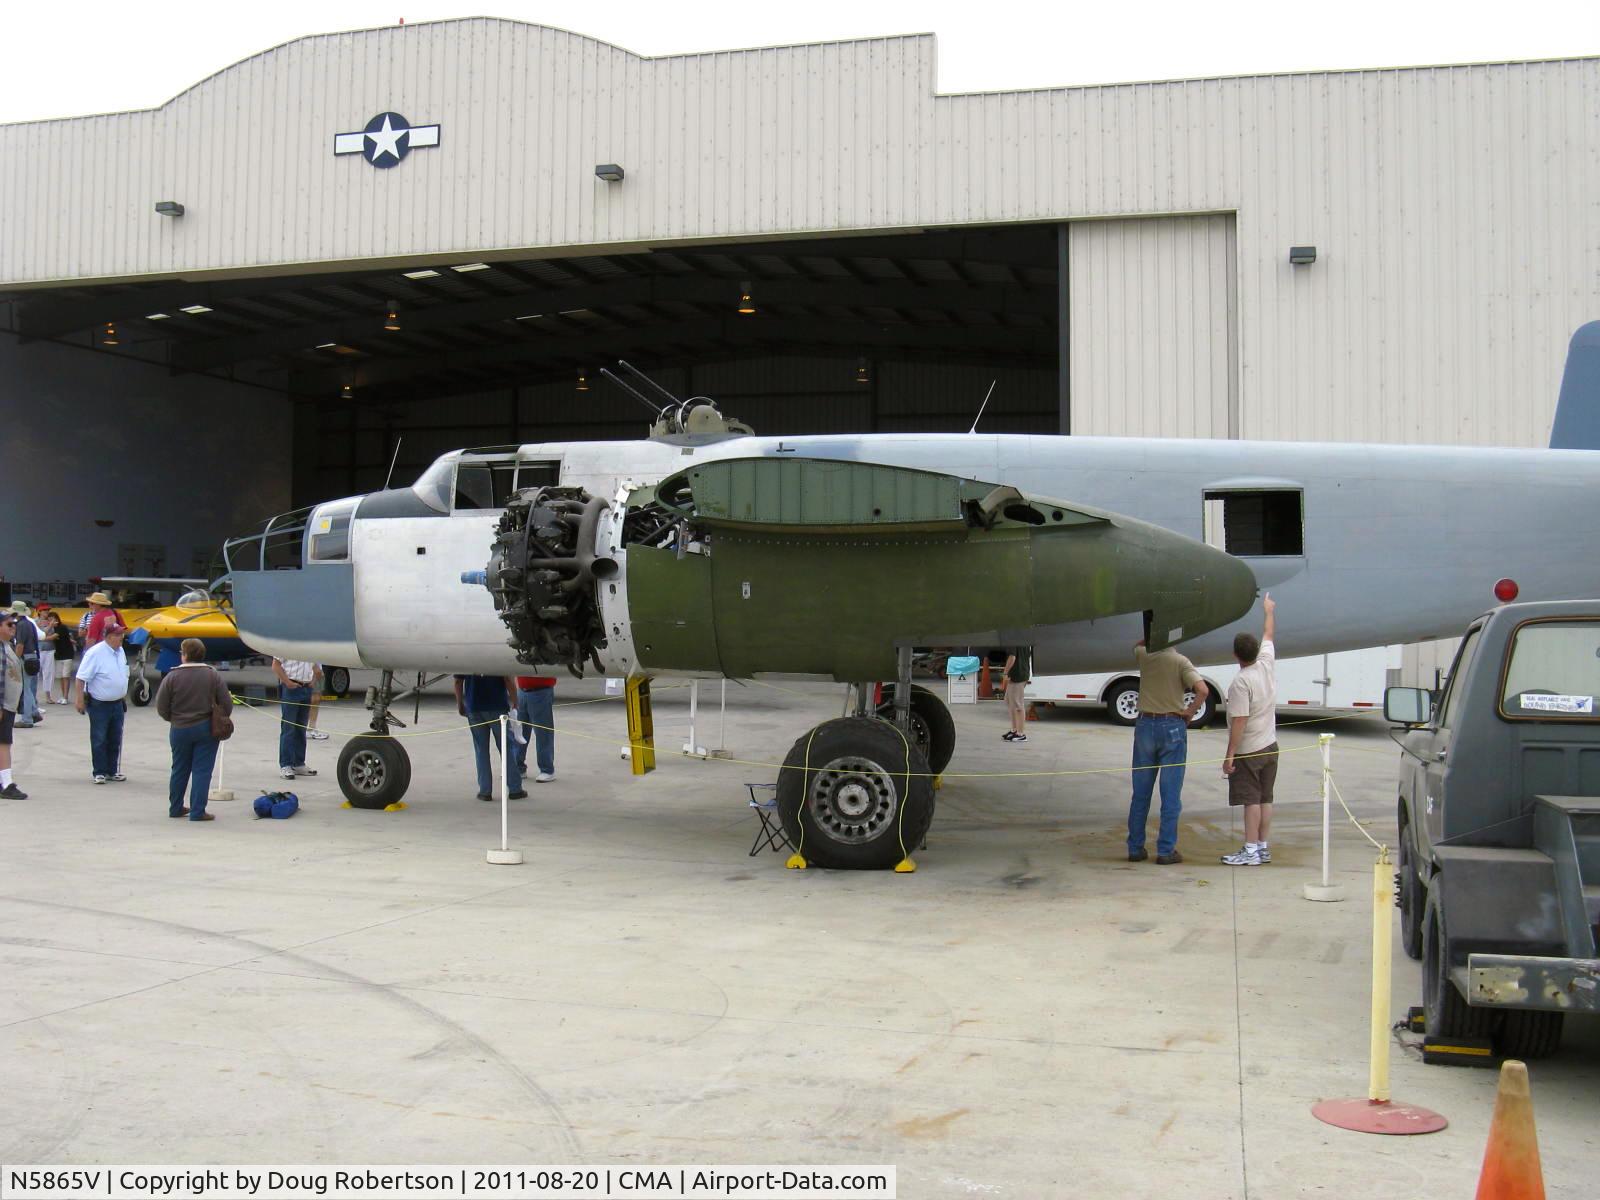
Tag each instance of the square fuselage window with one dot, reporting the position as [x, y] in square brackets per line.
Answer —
[1256, 524]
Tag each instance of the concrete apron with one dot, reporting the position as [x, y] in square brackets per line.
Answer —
[1028, 1015]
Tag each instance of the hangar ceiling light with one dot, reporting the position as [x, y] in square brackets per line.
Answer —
[108, 336]
[391, 320]
[425, 273]
[465, 267]
[326, 345]
[156, 316]
[194, 309]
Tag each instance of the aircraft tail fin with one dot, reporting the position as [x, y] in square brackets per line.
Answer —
[1577, 423]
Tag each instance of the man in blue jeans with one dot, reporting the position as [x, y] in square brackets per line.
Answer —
[483, 700]
[102, 692]
[295, 681]
[1170, 692]
[536, 697]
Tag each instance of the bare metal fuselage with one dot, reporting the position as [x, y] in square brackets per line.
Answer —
[1399, 543]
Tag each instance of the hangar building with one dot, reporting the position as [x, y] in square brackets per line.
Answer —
[385, 243]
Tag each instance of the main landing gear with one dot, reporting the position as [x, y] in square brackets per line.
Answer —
[374, 769]
[857, 792]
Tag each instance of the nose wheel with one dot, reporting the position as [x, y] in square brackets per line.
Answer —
[374, 769]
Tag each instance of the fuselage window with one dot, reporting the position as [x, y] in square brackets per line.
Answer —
[1256, 524]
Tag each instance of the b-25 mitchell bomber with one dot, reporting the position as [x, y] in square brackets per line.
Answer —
[705, 551]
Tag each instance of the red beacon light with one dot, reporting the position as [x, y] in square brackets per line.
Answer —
[1505, 590]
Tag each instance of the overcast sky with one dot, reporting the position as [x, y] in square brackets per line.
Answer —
[66, 59]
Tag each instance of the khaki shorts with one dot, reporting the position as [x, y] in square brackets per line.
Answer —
[1254, 776]
[1015, 693]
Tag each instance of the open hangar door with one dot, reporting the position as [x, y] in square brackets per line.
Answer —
[883, 333]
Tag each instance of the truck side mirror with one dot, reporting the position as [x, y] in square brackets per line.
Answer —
[1407, 705]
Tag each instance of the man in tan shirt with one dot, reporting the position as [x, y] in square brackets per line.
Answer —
[1170, 692]
[1252, 762]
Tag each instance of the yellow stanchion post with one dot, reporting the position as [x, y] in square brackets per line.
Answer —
[1375, 1112]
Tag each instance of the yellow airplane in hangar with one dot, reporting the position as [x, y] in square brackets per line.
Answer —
[197, 613]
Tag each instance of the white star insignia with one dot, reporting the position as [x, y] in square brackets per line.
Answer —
[386, 141]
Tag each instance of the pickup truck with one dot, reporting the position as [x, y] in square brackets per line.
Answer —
[1499, 811]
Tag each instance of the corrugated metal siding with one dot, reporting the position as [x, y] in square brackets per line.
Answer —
[1152, 327]
[1456, 210]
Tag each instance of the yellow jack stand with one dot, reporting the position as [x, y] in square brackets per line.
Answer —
[641, 726]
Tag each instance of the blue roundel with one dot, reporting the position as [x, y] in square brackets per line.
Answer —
[386, 140]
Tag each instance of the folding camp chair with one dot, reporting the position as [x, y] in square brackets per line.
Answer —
[770, 835]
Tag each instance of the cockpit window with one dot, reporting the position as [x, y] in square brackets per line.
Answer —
[435, 486]
[330, 531]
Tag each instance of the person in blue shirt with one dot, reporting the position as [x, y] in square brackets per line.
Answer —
[482, 700]
[101, 693]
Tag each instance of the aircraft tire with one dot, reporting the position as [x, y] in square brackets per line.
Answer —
[374, 772]
[140, 691]
[1446, 1010]
[932, 727]
[866, 801]
[336, 681]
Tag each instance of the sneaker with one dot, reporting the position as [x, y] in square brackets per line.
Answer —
[1167, 860]
[302, 769]
[1138, 855]
[1008, 735]
[544, 776]
[519, 794]
[1264, 854]
[286, 772]
[22, 725]
[1244, 857]
[12, 792]
[99, 778]
[316, 735]
[1019, 737]
[119, 777]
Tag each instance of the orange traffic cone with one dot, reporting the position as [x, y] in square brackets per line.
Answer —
[1511, 1159]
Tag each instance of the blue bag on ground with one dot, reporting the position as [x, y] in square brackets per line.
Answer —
[278, 805]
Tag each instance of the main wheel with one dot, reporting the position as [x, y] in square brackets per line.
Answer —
[1411, 891]
[374, 772]
[1122, 705]
[1529, 1033]
[1446, 1009]
[336, 681]
[855, 793]
[140, 691]
[933, 729]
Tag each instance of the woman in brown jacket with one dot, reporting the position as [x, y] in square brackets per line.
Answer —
[185, 700]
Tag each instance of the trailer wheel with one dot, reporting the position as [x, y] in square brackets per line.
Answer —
[855, 793]
[1207, 710]
[1122, 702]
[933, 729]
[1446, 1010]
[1529, 1033]
[1411, 891]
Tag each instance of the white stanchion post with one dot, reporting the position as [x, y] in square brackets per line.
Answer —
[220, 792]
[504, 856]
[692, 747]
[1327, 891]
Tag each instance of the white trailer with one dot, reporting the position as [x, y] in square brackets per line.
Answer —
[1350, 679]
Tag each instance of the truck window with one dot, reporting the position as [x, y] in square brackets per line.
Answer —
[1552, 672]
[1451, 704]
